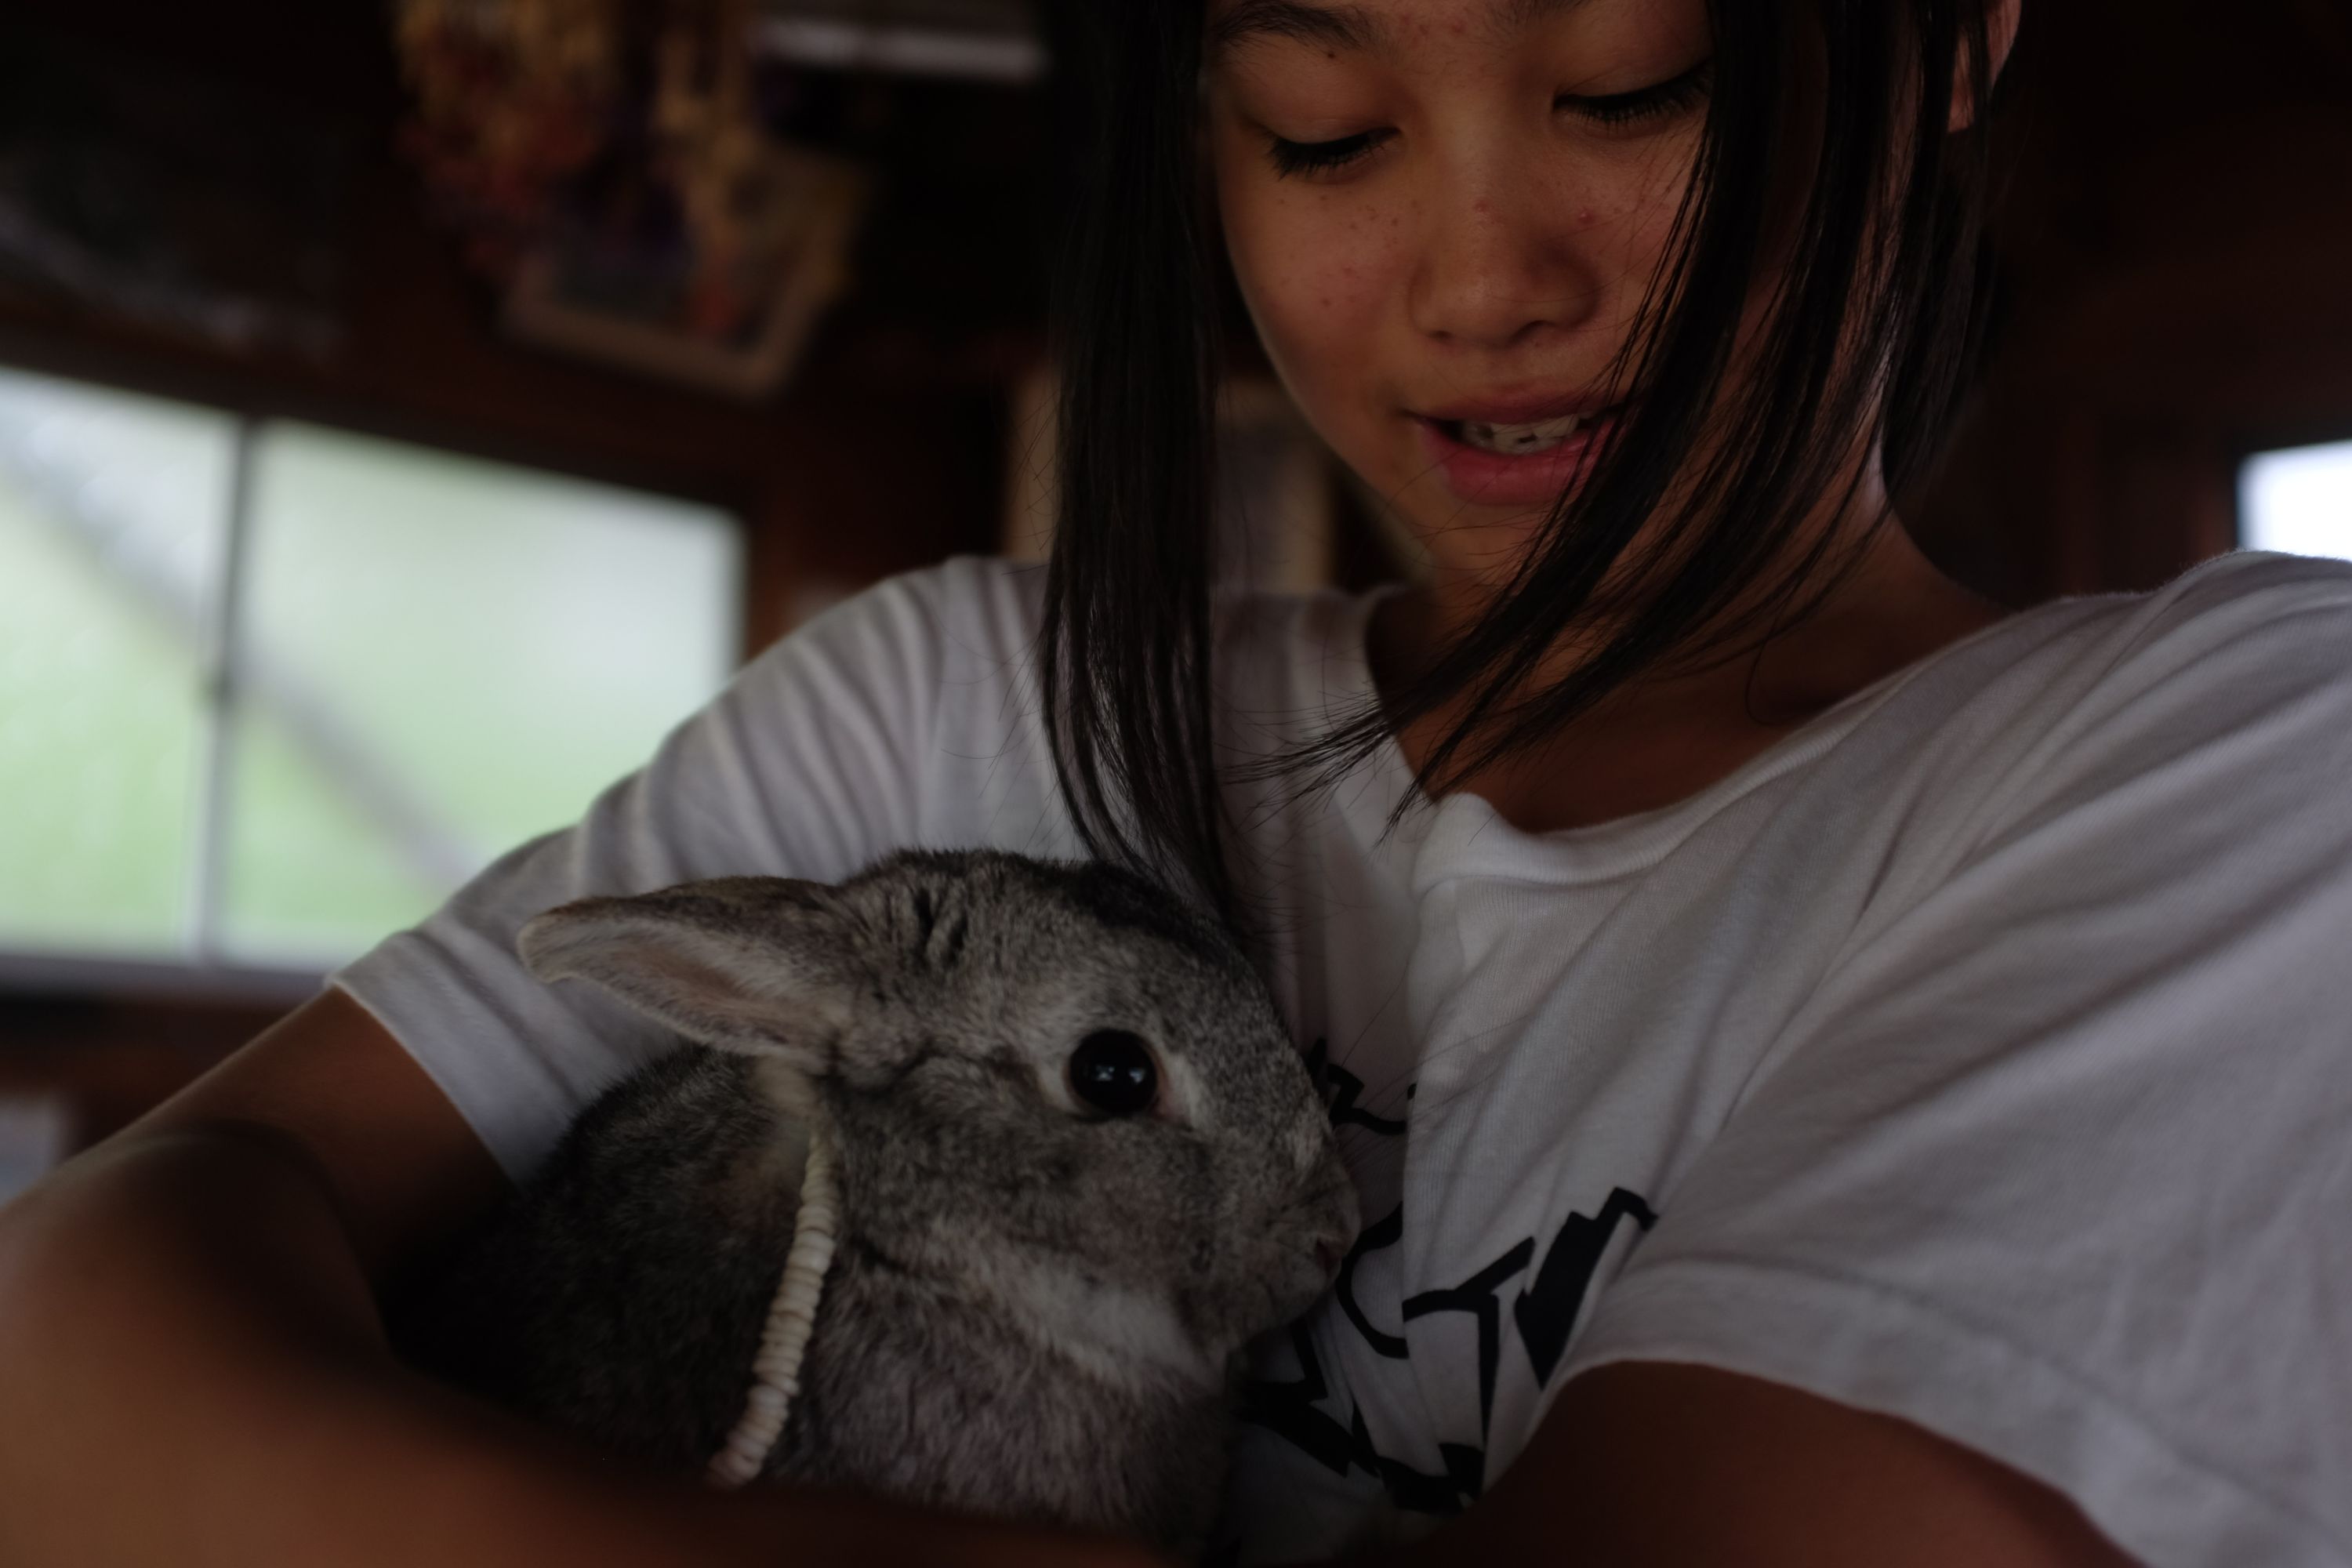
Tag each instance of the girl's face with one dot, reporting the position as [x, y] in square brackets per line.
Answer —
[1449, 210]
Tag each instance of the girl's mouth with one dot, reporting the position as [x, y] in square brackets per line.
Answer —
[1513, 465]
[1522, 441]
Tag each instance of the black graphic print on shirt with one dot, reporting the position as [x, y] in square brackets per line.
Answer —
[1343, 1088]
[1543, 1312]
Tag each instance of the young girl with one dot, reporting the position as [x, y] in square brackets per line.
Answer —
[1835, 1075]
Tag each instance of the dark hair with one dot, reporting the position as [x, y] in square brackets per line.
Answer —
[1871, 330]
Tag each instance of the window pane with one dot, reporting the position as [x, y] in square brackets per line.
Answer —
[2298, 501]
[441, 658]
[112, 526]
[313, 876]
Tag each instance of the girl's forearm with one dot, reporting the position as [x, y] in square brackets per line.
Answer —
[192, 1371]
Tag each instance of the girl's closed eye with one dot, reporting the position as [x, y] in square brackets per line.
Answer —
[1665, 101]
[1668, 100]
[1320, 157]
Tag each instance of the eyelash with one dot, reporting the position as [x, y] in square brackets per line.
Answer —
[1668, 98]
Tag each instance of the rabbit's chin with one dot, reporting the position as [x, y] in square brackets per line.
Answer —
[1298, 1290]
[1228, 1317]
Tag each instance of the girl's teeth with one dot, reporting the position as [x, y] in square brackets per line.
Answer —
[1519, 440]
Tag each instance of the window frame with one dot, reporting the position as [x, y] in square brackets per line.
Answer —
[203, 968]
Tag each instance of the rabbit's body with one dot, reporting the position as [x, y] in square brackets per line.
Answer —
[895, 1408]
[1032, 1310]
[680, 1183]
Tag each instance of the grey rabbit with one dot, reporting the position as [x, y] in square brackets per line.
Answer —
[1079, 1162]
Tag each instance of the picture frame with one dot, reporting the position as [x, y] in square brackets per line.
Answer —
[631, 307]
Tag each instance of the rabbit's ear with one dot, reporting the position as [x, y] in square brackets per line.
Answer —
[746, 964]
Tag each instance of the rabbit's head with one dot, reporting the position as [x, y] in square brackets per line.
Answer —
[1048, 1079]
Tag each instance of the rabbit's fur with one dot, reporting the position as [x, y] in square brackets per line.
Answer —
[1033, 1309]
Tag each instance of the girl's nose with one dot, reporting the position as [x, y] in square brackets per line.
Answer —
[1499, 269]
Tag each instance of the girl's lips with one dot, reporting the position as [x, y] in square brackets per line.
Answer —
[1493, 478]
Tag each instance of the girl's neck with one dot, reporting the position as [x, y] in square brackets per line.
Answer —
[1662, 740]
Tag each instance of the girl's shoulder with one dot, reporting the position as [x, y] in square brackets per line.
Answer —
[986, 606]
[2247, 604]
[2247, 656]
[977, 620]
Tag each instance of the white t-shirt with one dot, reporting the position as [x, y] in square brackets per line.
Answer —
[1981, 1053]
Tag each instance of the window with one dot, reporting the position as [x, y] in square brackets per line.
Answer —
[2298, 501]
[269, 691]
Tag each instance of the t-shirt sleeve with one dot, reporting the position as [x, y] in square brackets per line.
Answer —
[2058, 1160]
[820, 755]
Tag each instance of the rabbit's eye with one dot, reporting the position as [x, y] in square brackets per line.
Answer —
[1112, 1072]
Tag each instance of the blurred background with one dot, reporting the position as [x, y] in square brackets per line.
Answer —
[409, 409]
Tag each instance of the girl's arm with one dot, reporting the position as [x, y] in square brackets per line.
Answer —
[192, 1369]
[1660, 1465]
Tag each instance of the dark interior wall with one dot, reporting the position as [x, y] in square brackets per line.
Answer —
[114, 1057]
[2176, 289]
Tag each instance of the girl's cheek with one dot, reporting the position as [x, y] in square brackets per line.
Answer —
[1320, 289]
[1317, 272]
[1319, 300]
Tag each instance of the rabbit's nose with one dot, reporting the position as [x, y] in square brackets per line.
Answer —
[1331, 1219]
[1332, 1241]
